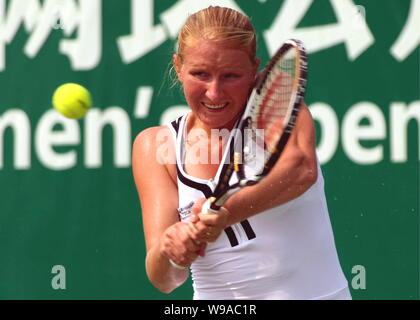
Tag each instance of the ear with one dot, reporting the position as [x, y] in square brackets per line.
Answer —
[178, 66]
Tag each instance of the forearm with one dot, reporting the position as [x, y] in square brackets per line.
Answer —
[161, 273]
[288, 180]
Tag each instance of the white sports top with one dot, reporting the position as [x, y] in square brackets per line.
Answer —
[287, 252]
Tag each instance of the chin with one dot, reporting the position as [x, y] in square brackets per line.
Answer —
[219, 121]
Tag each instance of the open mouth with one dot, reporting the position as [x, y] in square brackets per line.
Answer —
[215, 106]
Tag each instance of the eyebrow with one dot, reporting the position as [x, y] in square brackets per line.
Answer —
[227, 66]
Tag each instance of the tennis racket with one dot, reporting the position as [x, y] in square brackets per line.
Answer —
[266, 123]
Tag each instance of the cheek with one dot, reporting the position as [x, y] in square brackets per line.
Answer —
[192, 91]
[189, 87]
[242, 90]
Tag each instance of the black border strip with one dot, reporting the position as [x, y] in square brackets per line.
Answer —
[204, 188]
[175, 125]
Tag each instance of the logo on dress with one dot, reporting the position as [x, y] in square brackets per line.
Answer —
[184, 212]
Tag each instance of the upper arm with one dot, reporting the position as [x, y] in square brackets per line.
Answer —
[302, 145]
[298, 158]
[157, 190]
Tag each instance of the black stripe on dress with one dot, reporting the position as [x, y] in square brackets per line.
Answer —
[248, 229]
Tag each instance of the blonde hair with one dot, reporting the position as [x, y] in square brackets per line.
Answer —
[224, 25]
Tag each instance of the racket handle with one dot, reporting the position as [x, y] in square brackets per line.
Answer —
[210, 206]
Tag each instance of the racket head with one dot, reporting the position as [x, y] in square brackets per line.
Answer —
[279, 95]
[267, 121]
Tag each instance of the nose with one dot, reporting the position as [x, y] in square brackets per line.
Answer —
[214, 90]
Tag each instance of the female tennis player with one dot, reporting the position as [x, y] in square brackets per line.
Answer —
[272, 240]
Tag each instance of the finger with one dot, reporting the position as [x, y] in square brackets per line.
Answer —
[183, 257]
[189, 257]
[202, 251]
[196, 209]
[213, 236]
[193, 245]
[215, 219]
[193, 231]
[174, 258]
[177, 260]
[193, 218]
[197, 230]
[179, 247]
[192, 239]
[184, 239]
[209, 218]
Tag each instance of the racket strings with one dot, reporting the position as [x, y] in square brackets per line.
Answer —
[277, 94]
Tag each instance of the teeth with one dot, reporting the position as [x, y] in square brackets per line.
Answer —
[215, 106]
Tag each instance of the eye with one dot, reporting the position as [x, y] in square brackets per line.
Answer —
[200, 74]
[231, 75]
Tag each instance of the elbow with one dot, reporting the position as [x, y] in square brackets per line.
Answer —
[164, 289]
[168, 286]
[166, 282]
[311, 174]
[308, 171]
[161, 286]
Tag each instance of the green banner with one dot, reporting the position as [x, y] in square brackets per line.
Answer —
[70, 219]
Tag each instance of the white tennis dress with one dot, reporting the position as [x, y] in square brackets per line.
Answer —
[287, 252]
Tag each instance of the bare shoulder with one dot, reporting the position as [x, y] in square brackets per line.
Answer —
[152, 148]
[149, 138]
[154, 142]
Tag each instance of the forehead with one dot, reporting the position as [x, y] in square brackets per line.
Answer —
[211, 54]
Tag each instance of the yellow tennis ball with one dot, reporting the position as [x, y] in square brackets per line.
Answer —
[72, 100]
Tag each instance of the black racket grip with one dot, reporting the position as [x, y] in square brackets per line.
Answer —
[210, 206]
